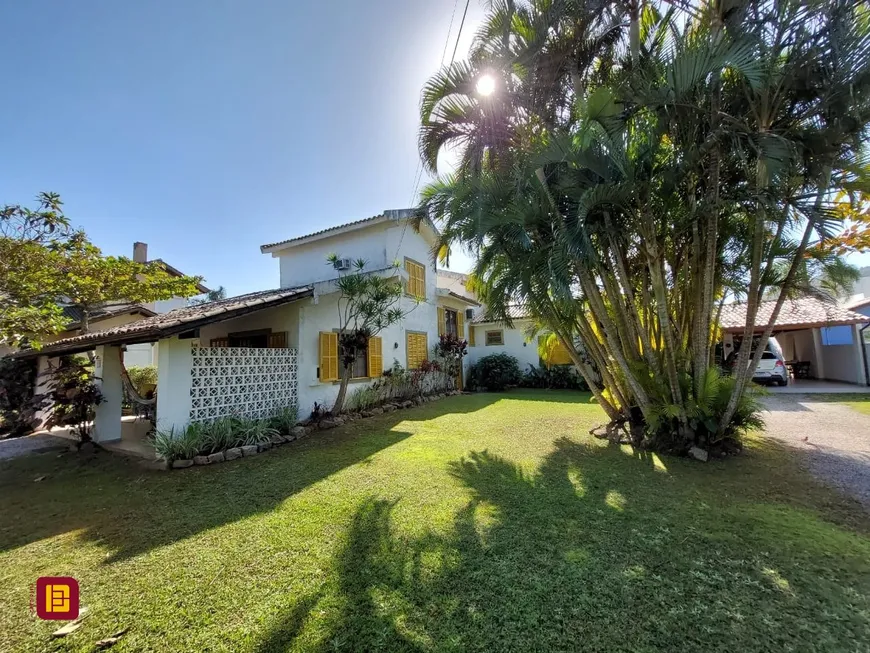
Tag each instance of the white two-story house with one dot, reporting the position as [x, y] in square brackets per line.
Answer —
[256, 353]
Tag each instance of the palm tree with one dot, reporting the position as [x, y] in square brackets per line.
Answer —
[620, 185]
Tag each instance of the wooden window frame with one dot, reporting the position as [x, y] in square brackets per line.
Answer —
[455, 312]
[500, 333]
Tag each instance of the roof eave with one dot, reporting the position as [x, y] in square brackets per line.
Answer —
[158, 333]
[274, 248]
[798, 326]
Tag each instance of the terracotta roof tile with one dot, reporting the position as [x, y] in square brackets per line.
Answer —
[802, 312]
[514, 312]
[263, 248]
[177, 321]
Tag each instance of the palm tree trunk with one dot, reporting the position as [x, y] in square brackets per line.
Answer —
[741, 369]
[796, 263]
[634, 30]
[590, 379]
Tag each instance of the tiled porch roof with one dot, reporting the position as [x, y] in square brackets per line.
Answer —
[174, 322]
[107, 310]
[514, 312]
[800, 313]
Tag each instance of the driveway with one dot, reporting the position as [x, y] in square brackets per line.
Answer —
[39, 443]
[835, 438]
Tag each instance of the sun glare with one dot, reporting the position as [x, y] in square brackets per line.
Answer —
[486, 85]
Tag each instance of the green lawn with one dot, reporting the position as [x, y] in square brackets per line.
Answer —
[479, 523]
[859, 402]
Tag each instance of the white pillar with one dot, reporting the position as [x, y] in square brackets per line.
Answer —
[107, 370]
[858, 348]
[174, 360]
[820, 357]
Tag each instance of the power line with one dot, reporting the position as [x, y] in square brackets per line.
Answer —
[419, 173]
[464, 14]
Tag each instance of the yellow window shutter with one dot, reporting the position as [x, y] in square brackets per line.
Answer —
[442, 321]
[278, 340]
[328, 356]
[417, 350]
[416, 279]
[409, 284]
[421, 281]
[560, 355]
[376, 357]
[460, 325]
[471, 335]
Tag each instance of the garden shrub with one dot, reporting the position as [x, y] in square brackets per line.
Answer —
[203, 438]
[143, 378]
[73, 396]
[495, 373]
[18, 405]
[555, 377]
[399, 384]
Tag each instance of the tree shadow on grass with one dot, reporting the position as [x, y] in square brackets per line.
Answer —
[112, 500]
[596, 550]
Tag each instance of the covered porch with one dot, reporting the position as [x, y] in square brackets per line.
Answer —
[820, 341]
[230, 357]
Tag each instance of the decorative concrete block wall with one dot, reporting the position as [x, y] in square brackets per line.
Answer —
[241, 381]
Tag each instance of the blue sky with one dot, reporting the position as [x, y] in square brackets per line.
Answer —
[209, 127]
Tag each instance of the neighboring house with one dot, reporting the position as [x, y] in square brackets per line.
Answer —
[118, 313]
[827, 336]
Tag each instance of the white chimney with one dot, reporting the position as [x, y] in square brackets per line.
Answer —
[140, 252]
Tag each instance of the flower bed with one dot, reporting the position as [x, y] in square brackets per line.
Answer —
[231, 438]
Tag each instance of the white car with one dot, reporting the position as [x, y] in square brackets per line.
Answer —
[771, 368]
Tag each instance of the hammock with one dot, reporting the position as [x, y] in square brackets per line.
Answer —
[132, 394]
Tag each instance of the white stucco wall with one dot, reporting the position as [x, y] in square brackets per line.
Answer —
[514, 344]
[322, 315]
[448, 281]
[800, 346]
[141, 355]
[173, 383]
[844, 362]
[166, 305]
[306, 264]
[281, 318]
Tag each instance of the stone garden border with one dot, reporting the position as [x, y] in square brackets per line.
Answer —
[305, 428]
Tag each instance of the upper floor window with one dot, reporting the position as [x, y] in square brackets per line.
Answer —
[416, 278]
[451, 323]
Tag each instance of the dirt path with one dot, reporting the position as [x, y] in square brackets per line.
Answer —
[40, 443]
[835, 438]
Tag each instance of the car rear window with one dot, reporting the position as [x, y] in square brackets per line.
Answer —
[768, 355]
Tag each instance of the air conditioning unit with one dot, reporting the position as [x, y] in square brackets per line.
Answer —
[469, 313]
[342, 264]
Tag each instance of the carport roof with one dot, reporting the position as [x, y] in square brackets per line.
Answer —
[799, 313]
[174, 322]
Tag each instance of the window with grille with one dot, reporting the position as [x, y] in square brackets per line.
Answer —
[494, 338]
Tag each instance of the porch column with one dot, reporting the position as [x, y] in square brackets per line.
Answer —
[174, 361]
[820, 358]
[107, 370]
[858, 344]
